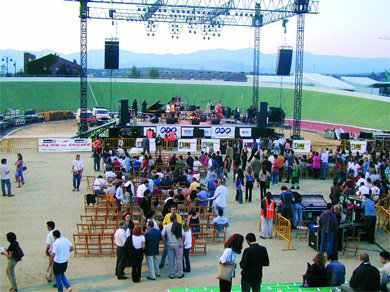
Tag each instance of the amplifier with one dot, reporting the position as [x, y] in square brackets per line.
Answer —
[215, 122]
[171, 121]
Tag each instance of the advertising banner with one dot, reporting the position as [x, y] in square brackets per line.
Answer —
[185, 145]
[222, 132]
[139, 146]
[214, 142]
[187, 132]
[245, 132]
[64, 145]
[162, 129]
[358, 146]
[301, 146]
[207, 131]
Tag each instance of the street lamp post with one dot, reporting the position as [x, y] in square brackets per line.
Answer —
[7, 59]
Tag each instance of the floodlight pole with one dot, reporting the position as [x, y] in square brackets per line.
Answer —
[257, 23]
[83, 63]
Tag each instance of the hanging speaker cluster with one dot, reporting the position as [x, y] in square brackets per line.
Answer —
[283, 63]
[111, 54]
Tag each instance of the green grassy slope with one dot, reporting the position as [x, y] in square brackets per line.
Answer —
[315, 106]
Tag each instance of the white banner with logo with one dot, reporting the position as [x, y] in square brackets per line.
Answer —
[301, 146]
[64, 145]
[185, 145]
[207, 131]
[222, 132]
[214, 142]
[168, 128]
[187, 132]
[358, 146]
[245, 132]
[139, 146]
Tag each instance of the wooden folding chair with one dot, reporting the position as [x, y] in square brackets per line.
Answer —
[302, 230]
[83, 228]
[80, 244]
[88, 219]
[216, 233]
[352, 246]
[199, 246]
[93, 245]
[107, 246]
[90, 180]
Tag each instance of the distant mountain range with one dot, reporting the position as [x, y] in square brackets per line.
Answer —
[219, 60]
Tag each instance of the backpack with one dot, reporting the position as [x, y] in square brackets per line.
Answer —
[18, 254]
[297, 197]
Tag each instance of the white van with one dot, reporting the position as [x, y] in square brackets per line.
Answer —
[101, 115]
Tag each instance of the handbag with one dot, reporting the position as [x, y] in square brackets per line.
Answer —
[24, 168]
[225, 271]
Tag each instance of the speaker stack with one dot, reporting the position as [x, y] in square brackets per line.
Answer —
[125, 115]
[262, 117]
[215, 122]
[111, 54]
[195, 122]
[276, 116]
[171, 121]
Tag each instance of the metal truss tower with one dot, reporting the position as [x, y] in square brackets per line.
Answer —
[206, 16]
[83, 64]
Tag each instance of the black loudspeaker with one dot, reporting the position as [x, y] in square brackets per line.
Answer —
[344, 136]
[366, 135]
[262, 118]
[203, 118]
[192, 108]
[132, 132]
[114, 132]
[154, 120]
[276, 115]
[198, 133]
[283, 63]
[111, 54]
[262, 133]
[215, 122]
[171, 121]
[125, 115]
[195, 122]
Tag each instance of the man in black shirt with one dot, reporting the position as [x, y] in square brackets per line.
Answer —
[146, 205]
[190, 161]
[219, 159]
[254, 258]
[168, 204]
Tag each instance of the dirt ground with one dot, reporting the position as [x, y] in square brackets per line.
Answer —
[47, 195]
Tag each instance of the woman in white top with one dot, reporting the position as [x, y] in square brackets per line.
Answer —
[136, 253]
[233, 246]
[187, 248]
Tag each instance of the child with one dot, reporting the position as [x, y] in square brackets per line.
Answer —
[187, 248]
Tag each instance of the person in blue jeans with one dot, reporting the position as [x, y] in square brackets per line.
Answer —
[59, 256]
[328, 224]
[5, 181]
[296, 209]
[77, 170]
[239, 184]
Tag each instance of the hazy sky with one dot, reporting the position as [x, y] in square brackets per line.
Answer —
[343, 27]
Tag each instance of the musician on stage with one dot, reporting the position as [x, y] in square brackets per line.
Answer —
[195, 115]
[144, 105]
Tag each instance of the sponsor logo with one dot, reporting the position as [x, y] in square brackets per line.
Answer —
[168, 129]
[223, 130]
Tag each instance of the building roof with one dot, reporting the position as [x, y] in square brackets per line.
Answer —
[328, 81]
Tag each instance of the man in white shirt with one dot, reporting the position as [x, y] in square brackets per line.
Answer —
[49, 245]
[98, 185]
[59, 256]
[220, 197]
[363, 190]
[355, 168]
[77, 170]
[324, 162]
[5, 181]
[120, 239]
[140, 191]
